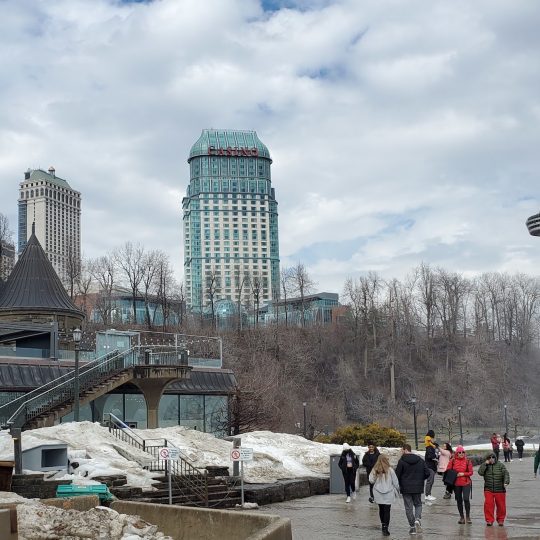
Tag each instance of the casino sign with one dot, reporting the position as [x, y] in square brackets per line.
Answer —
[233, 151]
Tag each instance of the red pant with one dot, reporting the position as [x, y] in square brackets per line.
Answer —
[490, 501]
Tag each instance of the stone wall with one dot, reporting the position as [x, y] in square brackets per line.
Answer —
[34, 486]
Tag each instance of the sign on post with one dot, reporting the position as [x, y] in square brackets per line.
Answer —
[169, 453]
[242, 454]
[246, 454]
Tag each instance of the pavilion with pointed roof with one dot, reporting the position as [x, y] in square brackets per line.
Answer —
[33, 293]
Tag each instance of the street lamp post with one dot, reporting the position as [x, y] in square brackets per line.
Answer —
[305, 424]
[413, 400]
[460, 425]
[506, 419]
[77, 339]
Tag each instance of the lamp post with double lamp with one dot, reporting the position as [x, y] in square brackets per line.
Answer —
[77, 339]
[506, 419]
[305, 424]
[413, 401]
[460, 425]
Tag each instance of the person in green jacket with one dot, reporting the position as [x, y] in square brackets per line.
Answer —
[536, 461]
[496, 478]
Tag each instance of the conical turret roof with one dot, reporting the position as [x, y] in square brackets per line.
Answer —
[34, 285]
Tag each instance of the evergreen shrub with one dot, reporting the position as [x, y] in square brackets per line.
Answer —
[358, 435]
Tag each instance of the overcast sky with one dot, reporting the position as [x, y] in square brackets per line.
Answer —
[401, 132]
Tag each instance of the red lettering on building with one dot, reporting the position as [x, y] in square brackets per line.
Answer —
[236, 151]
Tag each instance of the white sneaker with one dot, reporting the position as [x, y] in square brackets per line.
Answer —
[354, 494]
[348, 500]
[418, 525]
[430, 498]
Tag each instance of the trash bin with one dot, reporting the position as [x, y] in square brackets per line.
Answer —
[337, 484]
[6, 472]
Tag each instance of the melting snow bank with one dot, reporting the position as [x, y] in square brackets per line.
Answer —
[40, 522]
[276, 455]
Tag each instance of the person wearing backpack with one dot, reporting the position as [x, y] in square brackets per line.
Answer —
[496, 478]
[463, 468]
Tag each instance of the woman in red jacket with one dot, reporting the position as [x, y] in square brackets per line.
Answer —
[463, 483]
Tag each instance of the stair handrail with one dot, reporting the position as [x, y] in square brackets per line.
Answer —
[133, 438]
[64, 390]
[195, 478]
[7, 409]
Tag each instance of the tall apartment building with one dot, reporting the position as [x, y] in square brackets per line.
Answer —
[48, 201]
[231, 245]
[7, 259]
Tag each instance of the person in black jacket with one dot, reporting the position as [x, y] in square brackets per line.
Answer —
[519, 445]
[431, 463]
[368, 461]
[412, 472]
[348, 463]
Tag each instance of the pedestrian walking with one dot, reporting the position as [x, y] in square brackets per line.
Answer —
[506, 444]
[385, 489]
[411, 472]
[496, 478]
[368, 461]
[463, 483]
[495, 445]
[536, 461]
[445, 455]
[431, 460]
[519, 447]
[348, 463]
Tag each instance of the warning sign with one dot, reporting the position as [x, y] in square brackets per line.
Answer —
[235, 454]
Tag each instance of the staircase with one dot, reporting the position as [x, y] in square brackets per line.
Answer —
[190, 485]
[47, 404]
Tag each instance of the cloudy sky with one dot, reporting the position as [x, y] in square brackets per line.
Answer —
[401, 132]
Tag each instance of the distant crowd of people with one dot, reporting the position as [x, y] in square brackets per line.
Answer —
[414, 476]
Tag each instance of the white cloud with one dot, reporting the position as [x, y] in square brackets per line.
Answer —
[402, 131]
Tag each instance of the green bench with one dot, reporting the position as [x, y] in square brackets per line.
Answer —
[71, 490]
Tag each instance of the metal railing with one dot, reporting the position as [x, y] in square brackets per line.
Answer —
[18, 412]
[186, 475]
[7, 410]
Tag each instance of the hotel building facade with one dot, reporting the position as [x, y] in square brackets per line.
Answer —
[230, 222]
[48, 201]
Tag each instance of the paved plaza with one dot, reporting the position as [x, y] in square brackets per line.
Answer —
[328, 517]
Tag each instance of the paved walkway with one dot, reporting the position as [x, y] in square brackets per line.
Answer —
[328, 517]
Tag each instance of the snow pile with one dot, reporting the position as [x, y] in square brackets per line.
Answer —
[276, 455]
[40, 522]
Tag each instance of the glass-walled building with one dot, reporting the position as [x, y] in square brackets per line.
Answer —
[231, 244]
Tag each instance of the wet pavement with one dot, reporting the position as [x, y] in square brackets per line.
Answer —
[328, 517]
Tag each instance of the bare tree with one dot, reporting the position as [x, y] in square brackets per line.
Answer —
[130, 260]
[72, 267]
[165, 285]
[103, 270]
[149, 264]
[84, 284]
[302, 285]
[241, 281]
[256, 292]
[6, 242]
[286, 285]
[212, 290]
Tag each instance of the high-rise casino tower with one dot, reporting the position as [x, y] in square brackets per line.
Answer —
[231, 245]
